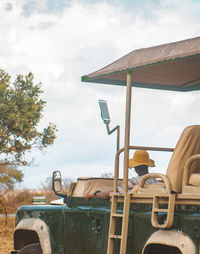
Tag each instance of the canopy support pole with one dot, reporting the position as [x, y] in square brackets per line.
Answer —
[127, 129]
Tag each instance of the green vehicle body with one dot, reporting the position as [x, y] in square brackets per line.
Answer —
[82, 226]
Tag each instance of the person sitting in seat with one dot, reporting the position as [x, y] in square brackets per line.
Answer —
[141, 163]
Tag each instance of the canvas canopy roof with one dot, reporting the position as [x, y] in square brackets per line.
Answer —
[173, 66]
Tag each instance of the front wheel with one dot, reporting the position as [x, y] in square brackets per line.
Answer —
[34, 248]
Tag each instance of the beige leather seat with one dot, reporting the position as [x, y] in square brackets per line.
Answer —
[188, 145]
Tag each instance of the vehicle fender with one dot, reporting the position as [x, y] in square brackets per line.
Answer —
[42, 230]
[172, 238]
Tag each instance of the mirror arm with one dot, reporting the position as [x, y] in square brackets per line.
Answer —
[116, 128]
[61, 195]
[111, 131]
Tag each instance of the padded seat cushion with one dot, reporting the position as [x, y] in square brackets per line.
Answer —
[194, 179]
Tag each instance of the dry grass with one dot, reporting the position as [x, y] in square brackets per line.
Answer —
[11, 201]
[6, 234]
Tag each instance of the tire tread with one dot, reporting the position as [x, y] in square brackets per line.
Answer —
[34, 248]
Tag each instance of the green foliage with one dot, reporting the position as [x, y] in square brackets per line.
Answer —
[21, 110]
[9, 176]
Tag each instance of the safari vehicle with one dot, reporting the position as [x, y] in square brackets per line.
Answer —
[153, 219]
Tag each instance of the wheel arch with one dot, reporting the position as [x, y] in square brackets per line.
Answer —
[173, 239]
[32, 230]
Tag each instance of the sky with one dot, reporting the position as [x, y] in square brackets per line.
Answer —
[61, 40]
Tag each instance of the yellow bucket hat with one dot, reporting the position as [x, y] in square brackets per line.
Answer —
[141, 157]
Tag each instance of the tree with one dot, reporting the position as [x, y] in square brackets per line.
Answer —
[9, 176]
[107, 174]
[21, 110]
[46, 185]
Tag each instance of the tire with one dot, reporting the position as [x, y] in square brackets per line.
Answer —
[34, 248]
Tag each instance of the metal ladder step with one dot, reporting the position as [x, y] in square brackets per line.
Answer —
[159, 210]
[120, 215]
[115, 236]
[125, 219]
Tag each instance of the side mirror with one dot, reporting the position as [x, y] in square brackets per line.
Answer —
[104, 111]
[56, 181]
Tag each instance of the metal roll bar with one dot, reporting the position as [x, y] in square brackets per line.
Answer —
[125, 178]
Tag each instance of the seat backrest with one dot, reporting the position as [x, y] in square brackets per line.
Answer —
[86, 186]
[188, 145]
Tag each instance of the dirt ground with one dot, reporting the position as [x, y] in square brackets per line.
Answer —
[6, 234]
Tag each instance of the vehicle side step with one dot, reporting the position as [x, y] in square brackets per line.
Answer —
[169, 211]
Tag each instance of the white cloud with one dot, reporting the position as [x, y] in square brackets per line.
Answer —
[59, 48]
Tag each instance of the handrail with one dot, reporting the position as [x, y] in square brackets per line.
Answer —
[187, 167]
[116, 172]
[156, 175]
[156, 209]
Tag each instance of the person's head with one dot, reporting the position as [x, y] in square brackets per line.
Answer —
[141, 162]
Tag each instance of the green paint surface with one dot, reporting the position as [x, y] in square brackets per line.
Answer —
[83, 227]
